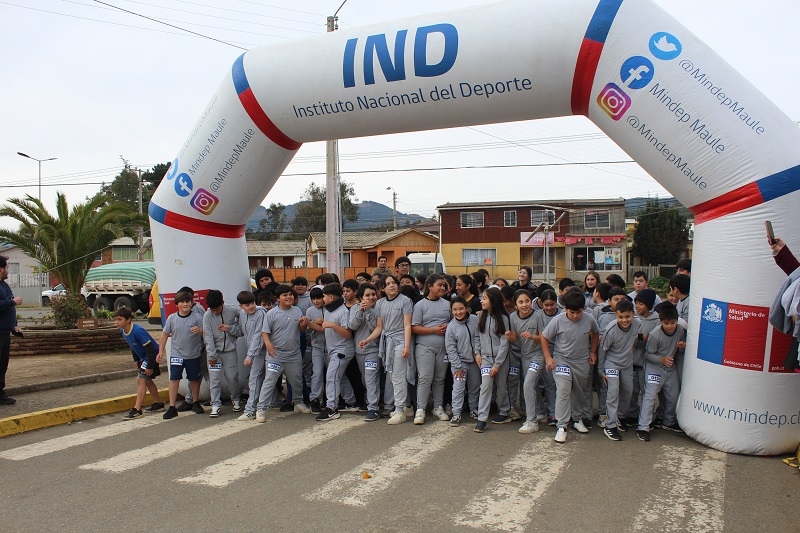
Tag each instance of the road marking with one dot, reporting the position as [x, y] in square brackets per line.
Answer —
[691, 493]
[507, 502]
[226, 472]
[160, 450]
[76, 439]
[386, 468]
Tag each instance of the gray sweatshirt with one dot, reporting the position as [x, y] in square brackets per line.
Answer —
[462, 341]
[362, 324]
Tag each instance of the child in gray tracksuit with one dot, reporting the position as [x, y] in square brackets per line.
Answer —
[492, 357]
[648, 320]
[462, 342]
[318, 358]
[615, 364]
[663, 344]
[249, 326]
[362, 322]
[220, 343]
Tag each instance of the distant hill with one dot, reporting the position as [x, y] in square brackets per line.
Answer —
[371, 215]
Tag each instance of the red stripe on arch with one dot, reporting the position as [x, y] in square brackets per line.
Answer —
[203, 227]
[733, 201]
[585, 70]
[263, 122]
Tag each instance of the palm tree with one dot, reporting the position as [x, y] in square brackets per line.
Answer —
[67, 243]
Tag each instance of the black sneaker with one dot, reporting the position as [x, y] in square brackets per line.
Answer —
[643, 435]
[587, 423]
[362, 408]
[455, 421]
[133, 414]
[7, 400]
[328, 414]
[499, 419]
[480, 427]
[197, 408]
[372, 416]
[657, 423]
[172, 412]
[184, 407]
[552, 422]
[631, 421]
[315, 407]
[674, 427]
[156, 407]
[286, 407]
[612, 433]
[622, 425]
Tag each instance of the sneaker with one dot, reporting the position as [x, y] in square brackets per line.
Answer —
[387, 413]
[419, 417]
[327, 415]
[350, 408]
[372, 416]
[206, 403]
[315, 407]
[172, 412]
[529, 427]
[237, 406]
[133, 414]
[440, 413]
[261, 416]
[184, 407]
[587, 423]
[301, 408]
[398, 417]
[214, 412]
[541, 418]
[247, 417]
[473, 414]
[455, 421]
[561, 435]
[156, 407]
[643, 435]
[408, 410]
[622, 425]
[480, 427]
[362, 408]
[674, 427]
[580, 427]
[553, 422]
[448, 409]
[197, 408]
[501, 419]
[601, 422]
[612, 433]
[657, 423]
[7, 400]
[631, 421]
[514, 415]
[286, 408]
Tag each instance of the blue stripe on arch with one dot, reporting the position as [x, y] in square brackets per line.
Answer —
[780, 184]
[157, 213]
[240, 82]
[601, 22]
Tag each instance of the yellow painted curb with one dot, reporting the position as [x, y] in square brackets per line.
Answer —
[62, 415]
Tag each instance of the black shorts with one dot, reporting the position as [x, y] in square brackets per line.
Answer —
[156, 371]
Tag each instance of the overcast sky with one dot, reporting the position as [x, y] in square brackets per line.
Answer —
[87, 83]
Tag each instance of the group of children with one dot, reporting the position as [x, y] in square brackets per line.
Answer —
[535, 354]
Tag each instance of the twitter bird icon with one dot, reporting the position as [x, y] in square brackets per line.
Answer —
[665, 46]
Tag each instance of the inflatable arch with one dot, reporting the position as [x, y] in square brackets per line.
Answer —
[705, 133]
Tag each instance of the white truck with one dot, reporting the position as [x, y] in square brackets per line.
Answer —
[117, 285]
[426, 263]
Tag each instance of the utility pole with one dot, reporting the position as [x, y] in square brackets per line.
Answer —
[140, 244]
[40, 161]
[394, 208]
[546, 225]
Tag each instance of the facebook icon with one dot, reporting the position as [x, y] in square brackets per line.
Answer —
[183, 185]
[637, 72]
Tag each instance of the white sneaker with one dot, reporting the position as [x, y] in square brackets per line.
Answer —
[408, 410]
[247, 417]
[261, 417]
[237, 406]
[441, 414]
[514, 415]
[300, 407]
[561, 435]
[473, 414]
[529, 427]
[602, 422]
[214, 412]
[419, 417]
[398, 417]
[542, 418]
[579, 427]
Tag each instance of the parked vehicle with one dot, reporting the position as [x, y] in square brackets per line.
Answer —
[117, 285]
[426, 263]
[55, 292]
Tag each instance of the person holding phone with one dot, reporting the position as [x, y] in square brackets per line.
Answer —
[8, 325]
[786, 306]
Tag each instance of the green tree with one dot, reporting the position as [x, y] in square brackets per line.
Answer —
[67, 242]
[661, 233]
[124, 188]
[310, 214]
[273, 226]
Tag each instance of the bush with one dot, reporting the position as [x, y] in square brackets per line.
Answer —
[659, 283]
[67, 309]
[106, 314]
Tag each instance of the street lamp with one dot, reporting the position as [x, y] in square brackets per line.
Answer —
[394, 208]
[40, 169]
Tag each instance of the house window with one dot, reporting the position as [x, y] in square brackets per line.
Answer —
[478, 256]
[538, 217]
[320, 260]
[597, 219]
[472, 219]
[510, 219]
[596, 258]
[130, 253]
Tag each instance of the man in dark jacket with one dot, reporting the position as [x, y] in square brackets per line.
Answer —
[8, 323]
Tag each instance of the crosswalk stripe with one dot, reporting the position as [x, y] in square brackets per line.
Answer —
[226, 472]
[160, 450]
[691, 493]
[387, 468]
[76, 439]
[507, 502]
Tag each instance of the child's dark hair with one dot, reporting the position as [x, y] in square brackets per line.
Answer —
[350, 284]
[365, 275]
[410, 292]
[299, 280]
[214, 299]
[548, 295]
[333, 288]
[564, 283]
[508, 293]
[283, 289]
[245, 297]
[458, 300]
[615, 280]
[184, 296]
[616, 291]
[412, 278]
[421, 278]
[467, 280]
[603, 289]
[498, 311]
[575, 289]
[363, 288]
[430, 281]
[574, 301]
[324, 279]
[123, 312]
[544, 287]
[316, 293]
[265, 298]
[667, 311]
[640, 274]
[684, 264]
[624, 306]
[682, 282]
[480, 279]
[519, 293]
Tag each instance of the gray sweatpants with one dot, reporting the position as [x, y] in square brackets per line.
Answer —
[471, 381]
[372, 379]
[532, 372]
[548, 382]
[318, 364]
[398, 377]
[594, 382]
[637, 392]
[500, 381]
[226, 366]
[657, 380]
[333, 380]
[257, 370]
[294, 378]
[515, 378]
[620, 387]
[432, 366]
[570, 378]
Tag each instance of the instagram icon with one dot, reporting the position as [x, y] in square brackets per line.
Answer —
[613, 101]
[204, 202]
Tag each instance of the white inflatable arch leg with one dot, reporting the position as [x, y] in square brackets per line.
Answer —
[706, 134]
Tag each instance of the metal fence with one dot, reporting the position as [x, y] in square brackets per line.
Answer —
[29, 280]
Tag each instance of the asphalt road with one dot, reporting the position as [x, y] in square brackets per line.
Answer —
[295, 474]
